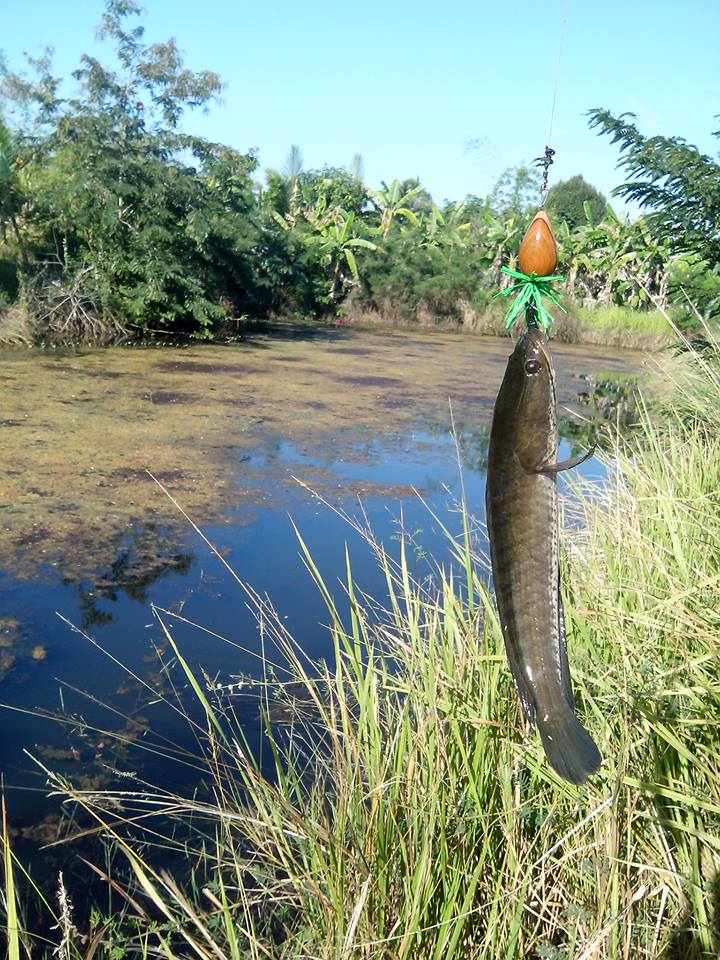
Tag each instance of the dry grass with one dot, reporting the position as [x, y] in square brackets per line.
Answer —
[15, 326]
[608, 326]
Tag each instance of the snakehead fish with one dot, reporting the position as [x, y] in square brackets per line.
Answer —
[522, 518]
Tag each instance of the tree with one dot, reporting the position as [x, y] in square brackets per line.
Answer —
[566, 202]
[357, 168]
[516, 193]
[411, 276]
[293, 164]
[291, 172]
[447, 228]
[334, 186]
[337, 236]
[133, 221]
[617, 262]
[422, 201]
[678, 185]
[12, 190]
[500, 239]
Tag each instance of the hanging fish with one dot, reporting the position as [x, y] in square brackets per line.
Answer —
[522, 518]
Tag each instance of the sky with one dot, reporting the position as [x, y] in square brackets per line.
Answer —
[449, 91]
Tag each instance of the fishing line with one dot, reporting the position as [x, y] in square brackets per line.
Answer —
[538, 254]
[557, 68]
[547, 159]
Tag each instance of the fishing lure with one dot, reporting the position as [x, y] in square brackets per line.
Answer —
[537, 259]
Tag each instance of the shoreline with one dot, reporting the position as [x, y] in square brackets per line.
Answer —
[613, 327]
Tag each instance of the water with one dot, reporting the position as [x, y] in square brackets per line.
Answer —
[244, 438]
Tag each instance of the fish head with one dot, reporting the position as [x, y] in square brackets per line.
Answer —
[529, 388]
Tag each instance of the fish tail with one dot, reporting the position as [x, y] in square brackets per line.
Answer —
[570, 749]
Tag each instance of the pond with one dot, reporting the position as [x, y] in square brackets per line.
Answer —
[245, 438]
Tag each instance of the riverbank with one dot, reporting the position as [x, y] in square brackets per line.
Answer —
[404, 811]
[601, 325]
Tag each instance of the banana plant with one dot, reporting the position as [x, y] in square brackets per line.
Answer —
[499, 239]
[446, 229]
[336, 236]
[617, 262]
[291, 172]
[391, 202]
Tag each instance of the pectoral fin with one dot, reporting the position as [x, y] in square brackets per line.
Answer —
[567, 464]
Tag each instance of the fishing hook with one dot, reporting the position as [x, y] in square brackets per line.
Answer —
[545, 162]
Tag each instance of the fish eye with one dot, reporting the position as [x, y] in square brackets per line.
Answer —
[532, 366]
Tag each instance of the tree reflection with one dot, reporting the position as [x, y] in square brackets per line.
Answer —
[143, 556]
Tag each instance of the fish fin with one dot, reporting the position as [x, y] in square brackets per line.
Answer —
[529, 467]
[570, 749]
[567, 464]
[562, 650]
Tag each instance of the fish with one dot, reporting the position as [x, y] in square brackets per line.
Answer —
[522, 518]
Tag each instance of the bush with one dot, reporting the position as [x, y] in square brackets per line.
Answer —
[409, 277]
[9, 284]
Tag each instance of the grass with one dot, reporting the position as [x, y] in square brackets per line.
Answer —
[602, 325]
[616, 326]
[10, 902]
[400, 809]
[15, 325]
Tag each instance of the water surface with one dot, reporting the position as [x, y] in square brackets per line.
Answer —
[242, 437]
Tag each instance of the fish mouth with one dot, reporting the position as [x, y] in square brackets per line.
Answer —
[539, 341]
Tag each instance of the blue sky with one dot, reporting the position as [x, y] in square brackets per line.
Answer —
[410, 84]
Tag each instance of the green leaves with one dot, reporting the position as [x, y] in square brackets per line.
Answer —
[351, 262]
[153, 228]
[672, 180]
[615, 261]
[575, 202]
[395, 201]
[336, 236]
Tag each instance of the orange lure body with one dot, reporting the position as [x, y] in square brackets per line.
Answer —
[538, 250]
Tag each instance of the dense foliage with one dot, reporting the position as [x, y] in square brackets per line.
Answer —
[115, 223]
[574, 201]
[678, 184]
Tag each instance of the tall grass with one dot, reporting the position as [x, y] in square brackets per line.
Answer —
[616, 326]
[400, 809]
[602, 325]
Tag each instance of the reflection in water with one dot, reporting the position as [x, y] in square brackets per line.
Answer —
[228, 431]
[602, 400]
[143, 556]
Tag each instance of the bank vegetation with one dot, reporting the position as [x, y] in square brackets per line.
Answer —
[118, 224]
